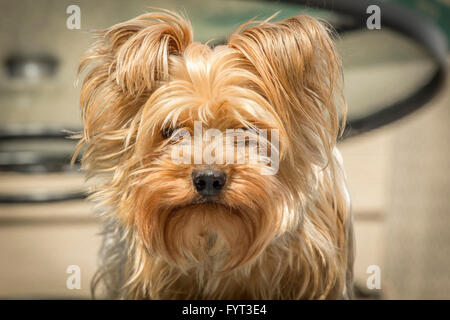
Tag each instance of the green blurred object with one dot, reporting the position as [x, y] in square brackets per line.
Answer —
[436, 10]
[219, 18]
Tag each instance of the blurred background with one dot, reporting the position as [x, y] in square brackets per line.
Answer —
[398, 174]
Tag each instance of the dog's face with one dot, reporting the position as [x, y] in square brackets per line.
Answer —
[209, 152]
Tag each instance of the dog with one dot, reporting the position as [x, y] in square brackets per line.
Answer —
[181, 229]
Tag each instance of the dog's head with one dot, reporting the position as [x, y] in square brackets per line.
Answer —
[209, 151]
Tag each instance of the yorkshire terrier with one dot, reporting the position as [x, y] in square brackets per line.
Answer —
[184, 227]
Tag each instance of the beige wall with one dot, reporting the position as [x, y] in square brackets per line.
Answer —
[399, 182]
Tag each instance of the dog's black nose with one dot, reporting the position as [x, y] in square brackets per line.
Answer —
[208, 182]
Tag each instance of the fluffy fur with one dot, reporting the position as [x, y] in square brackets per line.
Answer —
[282, 236]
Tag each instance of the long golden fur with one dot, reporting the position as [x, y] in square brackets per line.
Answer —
[282, 236]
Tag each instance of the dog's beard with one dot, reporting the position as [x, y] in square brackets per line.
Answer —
[220, 234]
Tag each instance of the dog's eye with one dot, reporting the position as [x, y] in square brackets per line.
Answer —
[248, 129]
[167, 132]
[174, 134]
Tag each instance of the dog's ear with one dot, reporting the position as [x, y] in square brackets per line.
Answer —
[301, 76]
[136, 53]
